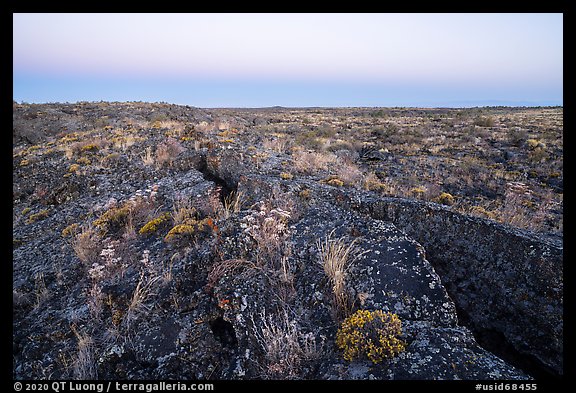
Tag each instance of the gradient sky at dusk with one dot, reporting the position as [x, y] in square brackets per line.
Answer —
[256, 60]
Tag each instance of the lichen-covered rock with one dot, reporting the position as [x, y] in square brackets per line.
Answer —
[504, 280]
[432, 353]
[243, 289]
[389, 272]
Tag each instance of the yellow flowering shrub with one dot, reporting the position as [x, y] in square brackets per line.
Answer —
[334, 181]
[91, 147]
[83, 161]
[191, 229]
[370, 333]
[37, 216]
[70, 230]
[154, 224]
[113, 220]
[445, 199]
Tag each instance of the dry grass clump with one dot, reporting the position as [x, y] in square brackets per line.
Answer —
[122, 219]
[84, 365]
[87, 245]
[148, 157]
[335, 257]
[350, 174]
[312, 162]
[167, 152]
[269, 229]
[279, 144]
[91, 145]
[232, 204]
[220, 269]
[183, 211]
[285, 348]
[146, 288]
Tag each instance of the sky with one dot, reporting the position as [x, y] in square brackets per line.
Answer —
[290, 59]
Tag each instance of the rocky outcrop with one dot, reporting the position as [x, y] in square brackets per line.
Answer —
[507, 283]
[208, 266]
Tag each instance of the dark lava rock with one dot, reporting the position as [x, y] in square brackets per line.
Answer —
[242, 294]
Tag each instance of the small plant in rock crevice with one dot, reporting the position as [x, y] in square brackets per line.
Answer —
[335, 257]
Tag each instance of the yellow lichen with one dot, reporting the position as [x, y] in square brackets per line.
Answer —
[286, 176]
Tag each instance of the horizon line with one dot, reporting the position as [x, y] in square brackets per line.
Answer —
[462, 105]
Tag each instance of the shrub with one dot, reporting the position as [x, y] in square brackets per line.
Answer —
[113, 220]
[480, 211]
[371, 182]
[179, 231]
[334, 181]
[70, 230]
[84, 161]
[111, 159]
[305, 194]
[87, 246]
[483, 121]
[534, 143]
[370, 333]
[37, 216]
[91, 147]
[153, 225]
[167, 152]
[269, 229]
[418, 192]
[191, 230]
[516, 136]
[445, 199]
[311, 162]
